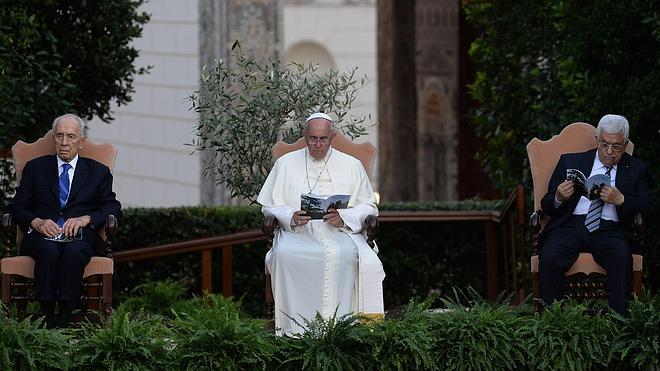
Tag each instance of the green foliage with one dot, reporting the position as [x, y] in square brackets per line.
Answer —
[420, 258]
[158, 297]
[27, 345]
[244, 109]
[214, 336]
[568, 338]
[544, 64]
[638, 343]
[123, 342]
[473, 334]
[64, 56]
[405, 343]
[336, 343]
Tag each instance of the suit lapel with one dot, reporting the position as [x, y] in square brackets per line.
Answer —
[622, 169]
[587, 162]
[53, 177]
[79, 177]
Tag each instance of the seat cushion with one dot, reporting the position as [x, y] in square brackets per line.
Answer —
[586, 264]
[20, 265]
[24, 266]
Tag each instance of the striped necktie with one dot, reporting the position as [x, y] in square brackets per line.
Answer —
[64, 189]
[592, 221]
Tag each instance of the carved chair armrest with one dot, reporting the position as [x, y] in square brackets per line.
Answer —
[7, 223]
[535, 221]
[637, 223]
[111, 226]
[535, 226]
[371, 226]
[268, 226]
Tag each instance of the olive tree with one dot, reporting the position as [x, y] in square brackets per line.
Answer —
[246, 108]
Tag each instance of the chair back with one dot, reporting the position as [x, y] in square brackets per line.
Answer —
[365, 152]
[544, 154]
[105, 153]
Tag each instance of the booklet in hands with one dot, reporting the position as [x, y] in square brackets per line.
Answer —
[588, 187]
[316, 205]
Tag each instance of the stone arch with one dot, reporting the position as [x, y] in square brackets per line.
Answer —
[310, 52]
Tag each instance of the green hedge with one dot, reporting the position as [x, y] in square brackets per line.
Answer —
[419, 258]
[214, 334]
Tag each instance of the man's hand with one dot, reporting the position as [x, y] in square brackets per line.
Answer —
[564, 190]
[46, 227]
[333, 217]
[611, 195]
[300, 218]
[71, 226]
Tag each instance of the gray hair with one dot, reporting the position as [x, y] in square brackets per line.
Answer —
[79, 120]
[613, 124]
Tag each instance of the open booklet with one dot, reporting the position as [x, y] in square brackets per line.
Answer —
[316, 205]
[588, 187]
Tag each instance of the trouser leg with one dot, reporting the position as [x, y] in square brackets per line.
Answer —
[612, 251]
[559, 251]
[73, 259]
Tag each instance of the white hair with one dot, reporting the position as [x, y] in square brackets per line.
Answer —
[320, 115]
[613, 124]
[79, 120]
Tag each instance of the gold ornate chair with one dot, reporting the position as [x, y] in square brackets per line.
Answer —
[18, 271]
[365, 152]
[543, 157]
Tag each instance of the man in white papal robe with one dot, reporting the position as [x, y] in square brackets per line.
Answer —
[322, 265]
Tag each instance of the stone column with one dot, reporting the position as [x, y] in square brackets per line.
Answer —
[254, 24]
[437, 109]
[397, 100]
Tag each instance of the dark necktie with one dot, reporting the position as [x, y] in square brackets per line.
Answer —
[592, 221]
[64, 189]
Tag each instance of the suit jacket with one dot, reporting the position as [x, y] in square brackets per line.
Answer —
[91, 194]
[631, 181]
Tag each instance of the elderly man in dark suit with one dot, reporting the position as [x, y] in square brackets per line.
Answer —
[59, 203]
[600, 226]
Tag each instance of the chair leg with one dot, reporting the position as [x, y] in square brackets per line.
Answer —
[6, 293]
[536, 290]
[637, 283]
[270, 303]
[107, 294]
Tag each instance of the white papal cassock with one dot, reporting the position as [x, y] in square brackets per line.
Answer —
[317, 266]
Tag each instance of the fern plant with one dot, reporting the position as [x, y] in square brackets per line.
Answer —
[639, 341]
[216, 337]
[123, 342]
[405, 343]
[27, 345]
[568, 337]
[473, 333]
[336, 343]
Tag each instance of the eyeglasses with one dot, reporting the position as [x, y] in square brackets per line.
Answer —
[615, 147]
[314, 140]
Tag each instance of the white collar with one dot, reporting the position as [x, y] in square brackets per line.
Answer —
[73, 162]
[598, 165]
